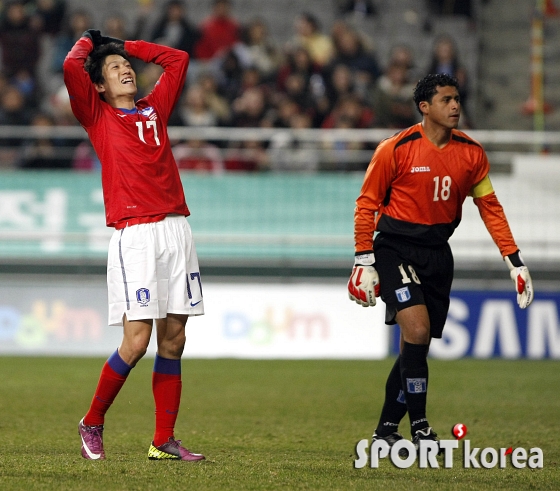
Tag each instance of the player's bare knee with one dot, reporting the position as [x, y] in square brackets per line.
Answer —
[416, 335]
[172, 348]
[137, 350]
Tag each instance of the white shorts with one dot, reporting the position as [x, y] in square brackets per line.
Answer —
[152, 270]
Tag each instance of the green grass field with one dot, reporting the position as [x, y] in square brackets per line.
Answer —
[271, 425]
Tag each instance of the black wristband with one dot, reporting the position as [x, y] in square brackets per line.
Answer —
[516, 260]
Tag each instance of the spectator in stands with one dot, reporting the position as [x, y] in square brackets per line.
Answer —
[216, 102]
[50, 14]
[361, 8]
[252, 77]
[341, 82]
[44, 152]
[298, 90]
[298, 60]
[195, 110]
[309, 35]
[147, 76]
[351, 51]
[13, 112]
[219, 32]
[231, 76]
[174, 29]
[351, 109]
[73, 27]
[402, 54]
[392, 99]
[114, 25]
[284, 109]
[198, 155]
[59, 107]
[261, 52]
[250, 108]
[445, 59]
[20, 45]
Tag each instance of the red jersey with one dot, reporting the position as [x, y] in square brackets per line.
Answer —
[416, 190]
[139, 175]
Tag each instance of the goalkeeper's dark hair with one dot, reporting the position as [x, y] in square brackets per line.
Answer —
[427, 87]
[94, 63]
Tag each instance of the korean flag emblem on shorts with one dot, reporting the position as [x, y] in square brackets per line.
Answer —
[403, 295]
[143, 296]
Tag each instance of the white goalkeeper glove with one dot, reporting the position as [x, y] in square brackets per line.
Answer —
[363, 285]
[521, 279]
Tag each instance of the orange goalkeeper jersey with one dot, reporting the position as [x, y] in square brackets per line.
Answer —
[416, 190]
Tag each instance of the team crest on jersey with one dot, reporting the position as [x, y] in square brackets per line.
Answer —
[403, 294]
[143, 296]
[149, 113]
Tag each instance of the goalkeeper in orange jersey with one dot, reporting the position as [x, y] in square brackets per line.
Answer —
[412, 196]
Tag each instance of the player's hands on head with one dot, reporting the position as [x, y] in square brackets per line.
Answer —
[519, 273]
[94, 35]
[363, 285]
[108, 39]
[98, 39]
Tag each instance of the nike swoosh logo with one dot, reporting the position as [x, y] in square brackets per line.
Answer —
[195, 304]
[171, 412]
[121, 115]
[93, 456]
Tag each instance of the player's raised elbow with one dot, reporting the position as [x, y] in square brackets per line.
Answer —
[185, 58]
[71, 64]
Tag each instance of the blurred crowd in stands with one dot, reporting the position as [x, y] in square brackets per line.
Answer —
[238, 77]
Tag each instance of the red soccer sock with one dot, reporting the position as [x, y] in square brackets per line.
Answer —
[166, 385]
[113, 376]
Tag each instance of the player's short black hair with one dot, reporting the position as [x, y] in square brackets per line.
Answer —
[96, 59]
[427, 87]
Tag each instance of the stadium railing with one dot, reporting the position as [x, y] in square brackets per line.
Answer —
[281, 219]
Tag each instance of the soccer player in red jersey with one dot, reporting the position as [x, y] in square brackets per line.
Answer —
[152, 269]
[412, 196]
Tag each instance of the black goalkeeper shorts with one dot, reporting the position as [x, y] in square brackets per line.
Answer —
[410, 274]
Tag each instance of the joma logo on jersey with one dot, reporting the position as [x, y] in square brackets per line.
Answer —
[419, 169]
[149, 113]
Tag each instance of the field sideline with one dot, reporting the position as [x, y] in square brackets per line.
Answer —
[271, 425]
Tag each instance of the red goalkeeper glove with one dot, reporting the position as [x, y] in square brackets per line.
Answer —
[519, 273]
[363, 285]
